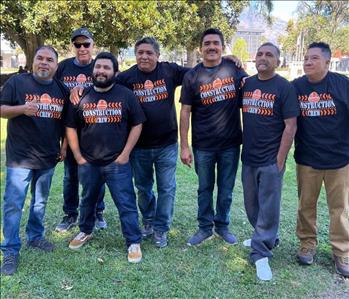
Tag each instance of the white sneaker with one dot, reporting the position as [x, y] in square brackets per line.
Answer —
[134, 253]
[263, 269]
[247, 243]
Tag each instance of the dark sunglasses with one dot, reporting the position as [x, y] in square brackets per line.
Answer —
[78, 45]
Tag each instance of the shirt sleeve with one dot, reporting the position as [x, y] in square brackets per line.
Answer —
[290, 105]
[71, 116]
[187, 92]
[8, 93]
[136, 114]
[180, 72]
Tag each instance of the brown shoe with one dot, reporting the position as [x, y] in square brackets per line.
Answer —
[305, 255]
[342, 265]
[79, 240]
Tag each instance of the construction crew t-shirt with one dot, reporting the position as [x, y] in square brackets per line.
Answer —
[322, 139]
[34, 141]
[265, 106]
[212, 95]
[72, 74]
[105, 120]
[155, 92]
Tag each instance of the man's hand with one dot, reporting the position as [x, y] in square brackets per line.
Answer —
[30, 108]
[234, 59]
[186, 156]
[280, 163]
[122, 159]
[75, 94]
[80, 160]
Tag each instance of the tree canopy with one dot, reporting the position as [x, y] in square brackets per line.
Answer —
[117, 24]
[320, 20]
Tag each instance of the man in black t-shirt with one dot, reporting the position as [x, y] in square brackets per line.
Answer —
[33, 104]
[209, 94]
[269, 109]
[322, 154]
[154, 84]
[110, 121]
[77, 71]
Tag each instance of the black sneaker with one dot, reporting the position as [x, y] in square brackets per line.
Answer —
[100, 222]
[199, 237]
[227, 236]
[43, 245]
[160, 239]
[147, 231]
[9, 264]
[67, 223]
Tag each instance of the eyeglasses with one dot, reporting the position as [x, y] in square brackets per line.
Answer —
[78, 45]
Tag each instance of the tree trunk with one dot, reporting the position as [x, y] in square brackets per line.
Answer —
[191, 57]
[29, 45]
[114, 50]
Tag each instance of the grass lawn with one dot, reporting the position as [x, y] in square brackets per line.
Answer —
[212, 270]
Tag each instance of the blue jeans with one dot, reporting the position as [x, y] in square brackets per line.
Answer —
[262, 196]
[71, 188]
[157, 213]
[205, 166]
[17, 183]
[119, 181]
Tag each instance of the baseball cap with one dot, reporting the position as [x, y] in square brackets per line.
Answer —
[83, 31]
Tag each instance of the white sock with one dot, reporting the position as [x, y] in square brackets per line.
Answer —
[247, 243]
[263, 269]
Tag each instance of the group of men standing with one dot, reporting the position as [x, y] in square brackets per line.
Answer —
[123, 126]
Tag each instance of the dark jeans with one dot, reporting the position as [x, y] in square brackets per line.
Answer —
[262, 196]
[71, 187]
[119, 181]
[17, 183]
[205, 167]
[163, 160]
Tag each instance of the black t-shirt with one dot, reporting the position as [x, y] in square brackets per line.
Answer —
[155, 92]
[265, 106]
[73, 75]
[212, 93]
[34, 142]
[322, 139]
[105, 120]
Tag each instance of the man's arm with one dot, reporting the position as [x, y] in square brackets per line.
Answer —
[73, 142]
[286, 141]
[132, 139]
[186, 155]
[29, 109]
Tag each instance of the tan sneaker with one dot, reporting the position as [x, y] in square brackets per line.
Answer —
[342, 265]
[305, 255]
[79, 240]
[134, 253]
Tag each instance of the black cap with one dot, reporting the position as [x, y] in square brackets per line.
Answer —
[83, 31]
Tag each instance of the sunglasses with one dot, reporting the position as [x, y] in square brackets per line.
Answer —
[78, 45]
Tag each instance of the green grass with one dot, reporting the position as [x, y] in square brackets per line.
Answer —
[212, 270]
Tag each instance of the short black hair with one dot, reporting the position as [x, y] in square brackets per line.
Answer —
[212, 31]
[150, 41]
[48, 47]
[325, 48]
[270, 45]
[110, 56]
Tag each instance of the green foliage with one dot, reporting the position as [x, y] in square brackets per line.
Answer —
[319, 20]
[240, 49]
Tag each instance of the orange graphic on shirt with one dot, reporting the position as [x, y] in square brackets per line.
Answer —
[257, 94]
[81, 78]
[314, 97]
[217, 83]
[102, 104]
[45, 98]
[148, 84]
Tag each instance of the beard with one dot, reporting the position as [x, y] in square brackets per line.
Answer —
[103, 84]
